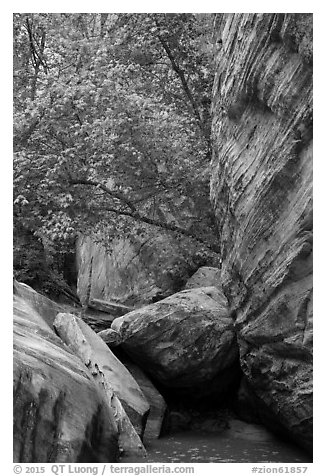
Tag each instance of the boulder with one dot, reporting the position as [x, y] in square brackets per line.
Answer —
[97, 319]
[44, 306]
[59, 413]
[67, 326]
[261, 189]
[110, 337]
[204, 277]
[77, 334]
[186, 341]
[156, 401]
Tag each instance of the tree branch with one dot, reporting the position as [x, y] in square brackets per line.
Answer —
[183, 80]
[103, 17]
[113, 193]
[36, 56]
[136, 215]
[180, 73]
[165, 226]
[22, 137]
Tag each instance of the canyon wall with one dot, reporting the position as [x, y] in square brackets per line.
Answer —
[138, 269]
[261, 189]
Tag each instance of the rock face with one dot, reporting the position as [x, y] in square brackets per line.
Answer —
[156, 401]
[110, 337]
[45, 307]
[204, 277]
[261, 188]
[185, 341]
[70, 328]
[119, 276]
[59, 414]
[143, 269]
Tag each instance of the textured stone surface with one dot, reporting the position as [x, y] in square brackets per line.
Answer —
[185, 341]
[142, 269]
[110, 337]
[156, 401]
[121, 381]
[261, 188]
[97, 320]
[47, 308]
[118, 276]
[59, 414]
[203, 277]
[69, 329]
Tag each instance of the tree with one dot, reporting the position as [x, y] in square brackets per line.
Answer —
[111, 121]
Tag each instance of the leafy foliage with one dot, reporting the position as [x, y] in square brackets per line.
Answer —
[111, 124]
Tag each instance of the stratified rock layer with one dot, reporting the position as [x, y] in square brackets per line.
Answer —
[261, 188]
[186, 341]
[59, 414]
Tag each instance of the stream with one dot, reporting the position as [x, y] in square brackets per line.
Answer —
[242, 443]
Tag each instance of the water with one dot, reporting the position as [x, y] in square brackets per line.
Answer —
[243, 443]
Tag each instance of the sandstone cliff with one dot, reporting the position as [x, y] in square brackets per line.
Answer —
[140, 269]
[261, 188]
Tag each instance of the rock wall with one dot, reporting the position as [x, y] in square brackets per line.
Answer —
[129, 273]
[59, 414]
[261, 189]
[144, 268]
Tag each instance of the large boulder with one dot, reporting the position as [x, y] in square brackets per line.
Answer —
[78, 335]
[156, 401]
[186, 341]
[59, 413]
[68, 327]
[44, 306]
[261, 189]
